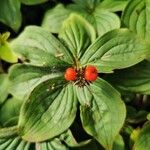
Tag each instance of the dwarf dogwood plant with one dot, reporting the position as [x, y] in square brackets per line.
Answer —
[51, 100]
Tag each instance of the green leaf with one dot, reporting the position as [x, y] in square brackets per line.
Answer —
[134, 135]
[9, 140]
[70, 141]
[93, 145]
[7, 54]
[66, 141]
[105, 21]
[113, 5]
[54, 18]
[148, 117]
[84, 95]
[102, 19]
[77, 34]
[33, 2]
[90, 4]
[142, 142]
[11, 122]
[41, 48]
[119, 143]
[54, 144]
[3, 87]
[8, 132]
[136, 17]
[116, 49]
[9, 110]
[101, 118]
[84, 8]
[49, 111]
[10, 13]
[4, 36]
[135, 79]
[134, 116]
[24, 78]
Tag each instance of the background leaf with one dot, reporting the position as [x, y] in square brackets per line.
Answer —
[96, 14]
[68, 138]
[54, 18]
[7, 54]
[9, 110]
[116, 49]
[54, 144]
[148, 116]
[101, 118]
[12, 9]
[142, 142]
[113, 5]
[9, 140]
[105, 21]
[49, 107]
[33, 2]
[136, 17]
[3, 87]
[101, 18]
[135, 79]
[119, 143]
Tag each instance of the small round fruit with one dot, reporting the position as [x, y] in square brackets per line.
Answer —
[90, 73]
[70, 74]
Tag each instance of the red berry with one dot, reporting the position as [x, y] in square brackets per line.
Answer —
[90, 73]
[70, 74]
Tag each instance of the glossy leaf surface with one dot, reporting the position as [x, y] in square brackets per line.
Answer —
[101, 118]
[49, 106]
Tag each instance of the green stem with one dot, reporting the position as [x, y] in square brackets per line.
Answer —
[77, 63]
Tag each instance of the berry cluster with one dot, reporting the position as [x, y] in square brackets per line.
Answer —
[81, 76]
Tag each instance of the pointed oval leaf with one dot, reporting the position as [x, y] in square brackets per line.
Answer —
[7, 54]
[105, 21]
[135, 79]
[40, 47]
[12, 9]
[54, 18]
[142, 142]
[9, 110]
[136, 17]
[105, 116]
[9, 140]
[116, 49]
[24, 78]
[113, 5]
[49, 111]
[77, 34]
